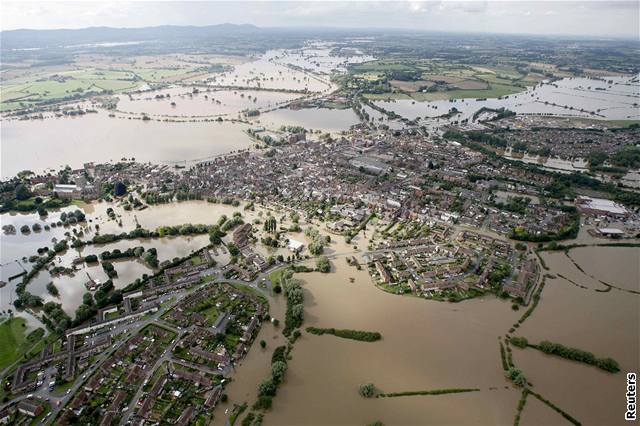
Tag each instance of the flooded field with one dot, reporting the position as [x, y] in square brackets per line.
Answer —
[416, 353]
[97, 137]
[317, 58]
[16, 248]
[325, 119]
[184, 103]
[426, 346]
[268, 72]
[605, 323]
[550, 163]
[613, 98]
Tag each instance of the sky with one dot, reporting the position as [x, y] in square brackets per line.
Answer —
[599, 18]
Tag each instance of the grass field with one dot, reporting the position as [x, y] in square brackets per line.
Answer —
[16, 343]
[12, 339]
[50, 84]
[624, 123]
[455, 81]
[274, 277]
[494, 91]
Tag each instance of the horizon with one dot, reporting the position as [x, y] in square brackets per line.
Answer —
[338, 29]
[591, 19]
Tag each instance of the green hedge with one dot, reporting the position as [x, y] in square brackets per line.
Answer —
[363, 336]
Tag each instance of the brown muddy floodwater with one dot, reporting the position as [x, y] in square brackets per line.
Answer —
[429, 345]
[605, 323]
[425, 346]
[40, 144]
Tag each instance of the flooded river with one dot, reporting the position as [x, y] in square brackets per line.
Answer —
[52, 143]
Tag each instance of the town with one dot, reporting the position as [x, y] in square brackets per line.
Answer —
[207, 225]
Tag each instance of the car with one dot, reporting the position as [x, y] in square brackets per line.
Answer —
[68, 391]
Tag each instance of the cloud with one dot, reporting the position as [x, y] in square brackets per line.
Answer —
[601, 18]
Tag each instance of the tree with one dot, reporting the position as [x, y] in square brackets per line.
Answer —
[52, 289]
[264, 402]
[323, 265]
[22, 193]
[367, 390]
[215, 234]
[270, 224]
[83, 313]
[233, 249]
[87, 299]
[119, 189]
[519, 342]
[267, 388]
[278, 369]
[516, 376]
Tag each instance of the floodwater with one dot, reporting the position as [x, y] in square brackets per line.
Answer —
[429, 345]
[268, 73]
[13, 248]
[424, 346]
[317, 58]
[550, 163]
[612, 98]
[325, 119]
[182, 102]
[41, 144]
[72, 288]
[605, 323]
[256, 366]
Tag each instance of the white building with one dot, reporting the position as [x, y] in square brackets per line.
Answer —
[295, 246]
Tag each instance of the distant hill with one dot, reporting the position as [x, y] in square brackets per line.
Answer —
[30, 39]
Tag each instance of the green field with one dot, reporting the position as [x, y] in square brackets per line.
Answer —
[12, 341]
[274, 276]
[624, 123]
[454, 81]
[43, 87]
[494, 91]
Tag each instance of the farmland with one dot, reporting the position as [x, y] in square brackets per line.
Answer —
[430, 80]
[99, 75]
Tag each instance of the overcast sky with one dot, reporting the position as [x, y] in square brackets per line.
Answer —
[594, 18]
